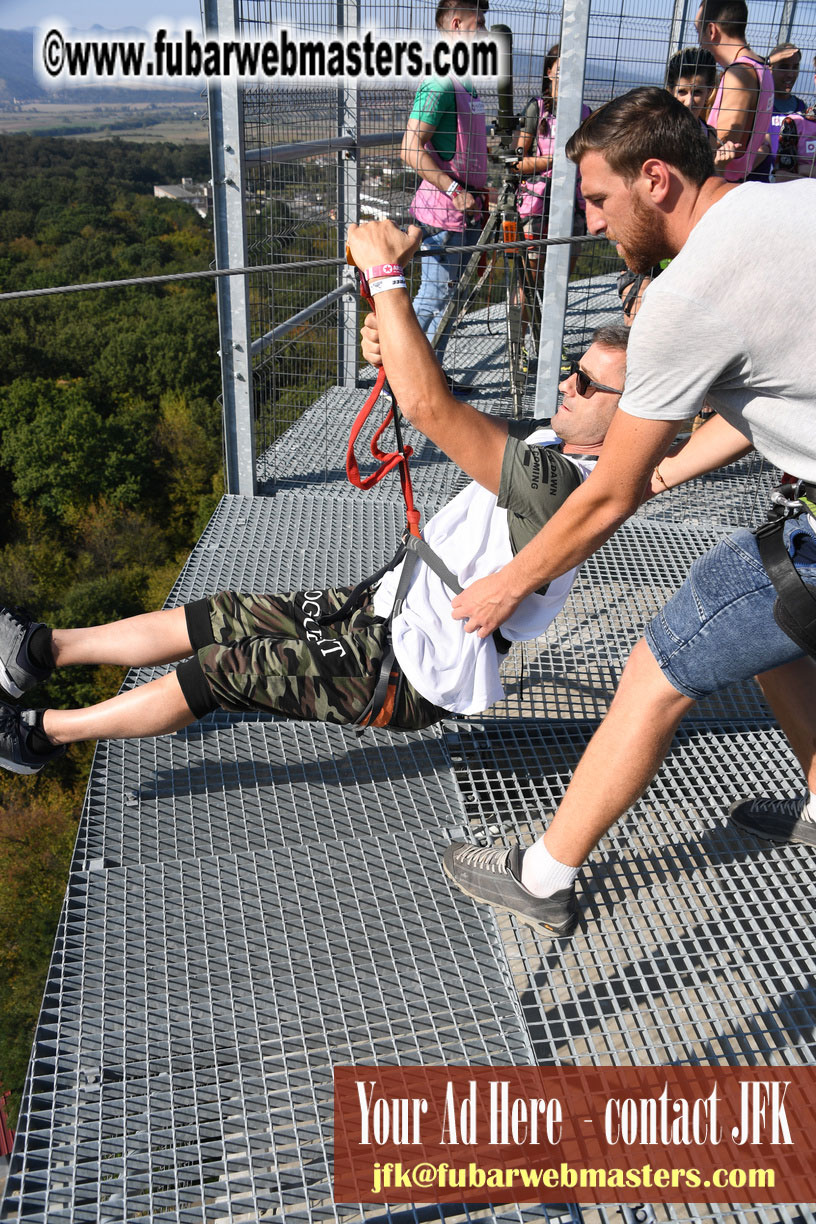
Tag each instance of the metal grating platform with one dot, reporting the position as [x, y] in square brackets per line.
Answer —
[737, 496]
[289, 542]
[435, 479]
[572, 672]
[696, 940]
[194, 1012]
[228, 785]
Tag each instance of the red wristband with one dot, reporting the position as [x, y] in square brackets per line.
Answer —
[381, 270]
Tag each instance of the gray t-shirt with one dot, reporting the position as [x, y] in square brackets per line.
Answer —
[732, 320]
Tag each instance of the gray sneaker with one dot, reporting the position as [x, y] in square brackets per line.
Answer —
[492, 874]
[15, 752]
[776, 820]
[17, 672]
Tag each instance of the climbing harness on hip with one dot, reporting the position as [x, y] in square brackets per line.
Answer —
[795, 607]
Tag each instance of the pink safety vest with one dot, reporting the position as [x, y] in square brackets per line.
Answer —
[468, 166]
[531, 203]
[741, 166]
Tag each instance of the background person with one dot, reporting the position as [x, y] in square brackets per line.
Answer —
[536, 140]
[446, 143]
[784, 61]
[741, 111]
[691, 75]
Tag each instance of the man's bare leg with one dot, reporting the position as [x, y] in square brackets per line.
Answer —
[156, 708]
[138, 641]
[621, 759]
[790, 691]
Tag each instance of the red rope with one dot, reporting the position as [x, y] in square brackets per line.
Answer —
[387, 460]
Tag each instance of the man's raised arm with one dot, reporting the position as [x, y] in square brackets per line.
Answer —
[474, 440]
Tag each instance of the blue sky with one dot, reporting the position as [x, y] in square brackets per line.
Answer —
[81, 14]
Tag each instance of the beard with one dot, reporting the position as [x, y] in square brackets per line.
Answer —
[646, 242]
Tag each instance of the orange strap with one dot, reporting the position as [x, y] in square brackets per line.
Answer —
[387, 460]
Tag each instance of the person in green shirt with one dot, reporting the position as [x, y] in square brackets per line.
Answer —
[446, 143]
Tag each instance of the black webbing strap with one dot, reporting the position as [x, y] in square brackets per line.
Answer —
[795, 609]
[362, 588]
[388, 675]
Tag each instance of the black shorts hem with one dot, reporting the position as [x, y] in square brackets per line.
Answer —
[195, 689]
[199, 626]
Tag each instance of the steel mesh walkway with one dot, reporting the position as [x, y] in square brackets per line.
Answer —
[195, 1009]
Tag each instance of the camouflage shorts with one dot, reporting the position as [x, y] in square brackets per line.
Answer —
[268, 652]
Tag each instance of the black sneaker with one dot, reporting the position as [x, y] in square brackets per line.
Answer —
[776, 820]
[16, 754]
[492, 874]
[17, 672]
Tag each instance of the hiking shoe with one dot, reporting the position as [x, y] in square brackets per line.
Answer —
[776, 820]
[492, 874]
[17, 672]
[15, 732]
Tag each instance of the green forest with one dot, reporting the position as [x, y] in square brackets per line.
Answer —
[110, 465]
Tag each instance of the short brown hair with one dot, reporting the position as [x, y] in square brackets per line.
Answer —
[730, 15]
[645, 122]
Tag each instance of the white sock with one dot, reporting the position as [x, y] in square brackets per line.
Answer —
[543, 875]
[809, 811]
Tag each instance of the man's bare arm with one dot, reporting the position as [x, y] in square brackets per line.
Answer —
[588, 517]
[474, 440]
[738, 105]
[415, 155]
[710, 447]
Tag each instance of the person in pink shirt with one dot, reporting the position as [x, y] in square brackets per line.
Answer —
[536, 142]
[742, 108]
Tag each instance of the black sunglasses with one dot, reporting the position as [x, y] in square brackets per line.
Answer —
[583, 382]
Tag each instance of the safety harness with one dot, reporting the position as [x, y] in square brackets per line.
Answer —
[413, 548]
[795, 607]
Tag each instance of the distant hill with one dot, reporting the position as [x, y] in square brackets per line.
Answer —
[17, 78]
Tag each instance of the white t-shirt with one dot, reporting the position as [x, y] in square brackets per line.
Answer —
[733, 319]
[456, 670]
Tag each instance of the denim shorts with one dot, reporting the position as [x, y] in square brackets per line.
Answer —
[719, 627]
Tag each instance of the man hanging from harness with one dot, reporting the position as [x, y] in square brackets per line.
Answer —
[321, 654]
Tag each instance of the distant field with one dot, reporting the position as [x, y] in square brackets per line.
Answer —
[177, 122]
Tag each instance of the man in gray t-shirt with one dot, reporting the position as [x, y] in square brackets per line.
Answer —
[730, 321]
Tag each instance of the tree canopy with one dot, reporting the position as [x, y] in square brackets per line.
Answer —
[110, 463]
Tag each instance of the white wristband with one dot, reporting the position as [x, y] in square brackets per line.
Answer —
[454, 189]
[386, 282]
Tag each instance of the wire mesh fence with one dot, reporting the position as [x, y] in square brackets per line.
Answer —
[318, 158]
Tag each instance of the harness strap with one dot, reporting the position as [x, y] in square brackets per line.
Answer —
[435, 562]
[362, 588]
[795, 609]
[380, 709]
[387, 460]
